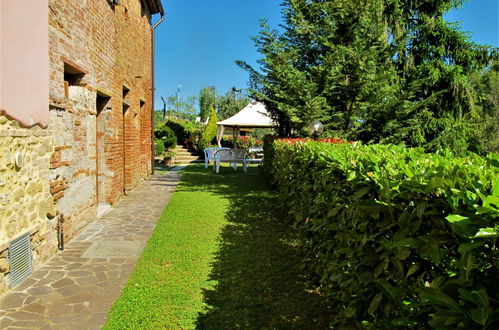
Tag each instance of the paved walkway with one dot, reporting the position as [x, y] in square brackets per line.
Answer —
[77, 287]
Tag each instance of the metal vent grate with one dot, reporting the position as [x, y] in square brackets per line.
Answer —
[20, 259]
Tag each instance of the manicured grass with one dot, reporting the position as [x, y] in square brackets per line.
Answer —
[219, 258]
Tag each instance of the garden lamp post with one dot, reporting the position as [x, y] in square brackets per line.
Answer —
[316, 128]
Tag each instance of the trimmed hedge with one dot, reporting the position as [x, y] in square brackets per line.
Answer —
[183, 130]
[167, 136]
[394, 236]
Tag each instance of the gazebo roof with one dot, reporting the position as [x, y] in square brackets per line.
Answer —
[253, 115]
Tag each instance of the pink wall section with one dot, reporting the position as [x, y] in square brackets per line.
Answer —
[24, 61]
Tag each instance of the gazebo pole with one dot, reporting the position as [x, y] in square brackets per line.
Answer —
[234, 137]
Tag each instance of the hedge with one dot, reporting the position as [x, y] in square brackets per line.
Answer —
[183, 130]
[395, 237]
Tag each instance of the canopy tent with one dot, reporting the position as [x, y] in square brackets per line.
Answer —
[254, 115]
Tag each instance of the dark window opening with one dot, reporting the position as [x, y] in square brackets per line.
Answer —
[101, 102]
[73, 75]
[126, 90]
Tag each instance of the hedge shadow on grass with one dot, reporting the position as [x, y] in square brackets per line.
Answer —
[259, 279]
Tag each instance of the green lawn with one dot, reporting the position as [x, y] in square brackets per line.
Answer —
[219, 258]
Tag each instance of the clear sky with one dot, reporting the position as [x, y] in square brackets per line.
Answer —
[199, 40]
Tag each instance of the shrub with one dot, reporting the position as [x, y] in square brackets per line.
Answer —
[227, 142]
[394, 236]
[241, 142]
[159, 148]
[166, 134]
[183, 130]
[209, 132]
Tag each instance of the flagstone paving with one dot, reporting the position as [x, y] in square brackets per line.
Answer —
[77, 287]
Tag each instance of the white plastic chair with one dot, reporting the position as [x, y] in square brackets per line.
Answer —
[254, 156]
[209, 154]
[232, 156]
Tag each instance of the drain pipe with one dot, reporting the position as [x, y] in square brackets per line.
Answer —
[60, 231]
[162, 13]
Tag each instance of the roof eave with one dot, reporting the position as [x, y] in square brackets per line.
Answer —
[155, 7]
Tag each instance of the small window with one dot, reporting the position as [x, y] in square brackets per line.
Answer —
[73, 75]
[126, 90]
[102, 101]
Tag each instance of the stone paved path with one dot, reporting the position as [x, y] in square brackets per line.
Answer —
[77, 287]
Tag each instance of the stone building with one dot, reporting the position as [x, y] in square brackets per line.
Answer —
[75, 119]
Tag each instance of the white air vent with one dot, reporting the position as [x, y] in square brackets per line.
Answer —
[20, 259]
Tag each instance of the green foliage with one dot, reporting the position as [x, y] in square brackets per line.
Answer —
[159, 147]
[182, 108]
[376, 71]
[206, 100]
[220, 257]
[241, 142]
[166, 135]
[184, 130]
[395, 236]
[486, 123]
[230, 103]
[158, 118]
[209, 132]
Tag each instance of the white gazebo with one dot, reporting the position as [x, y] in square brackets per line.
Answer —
[254, 115]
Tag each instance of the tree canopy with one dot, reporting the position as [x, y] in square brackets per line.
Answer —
[206, 100]
[231, 103]
[390, 71]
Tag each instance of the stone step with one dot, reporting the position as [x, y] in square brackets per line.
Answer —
[181, 150]
[186, 153]
[177, 157]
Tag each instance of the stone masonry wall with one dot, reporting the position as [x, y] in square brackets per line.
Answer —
[92, 152]
[26, 204]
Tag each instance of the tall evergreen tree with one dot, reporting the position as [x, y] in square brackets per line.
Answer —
[435, 101]
[375, 70]
[486, 125]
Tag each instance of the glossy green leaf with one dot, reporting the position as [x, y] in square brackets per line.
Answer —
[437, 297]
[403, 253]
[466, 247]
[373, 306]
[495, 189]
[455, 218]
[479, 298]
[412, 269]
[487, 232]
[445, 318]
[480, 315]
[461, 225]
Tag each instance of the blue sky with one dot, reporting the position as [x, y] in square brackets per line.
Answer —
[199, 40]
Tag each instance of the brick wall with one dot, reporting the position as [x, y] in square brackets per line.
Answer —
[111, 45]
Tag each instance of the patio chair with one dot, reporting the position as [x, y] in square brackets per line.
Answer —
[209, 154]
[232, 156]
[254, 156]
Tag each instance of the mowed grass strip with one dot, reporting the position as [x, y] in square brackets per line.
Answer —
[221, 257]
[165, 289]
